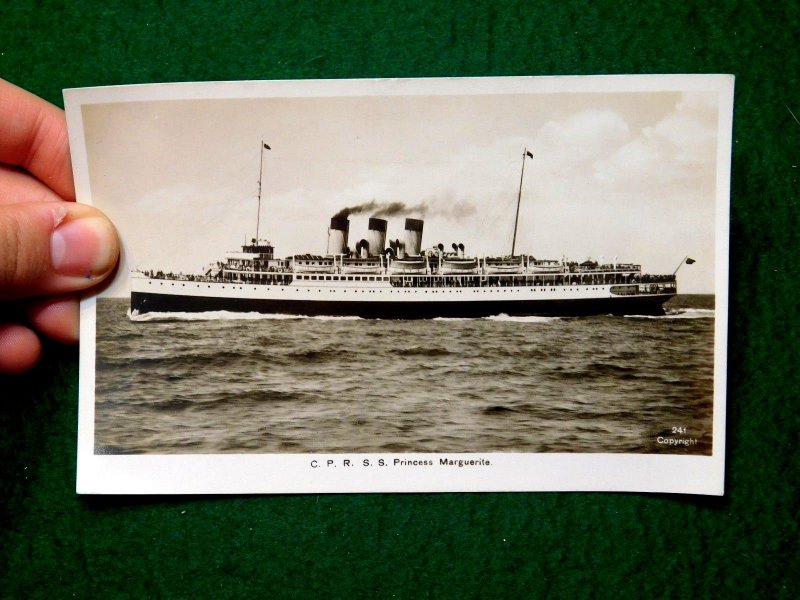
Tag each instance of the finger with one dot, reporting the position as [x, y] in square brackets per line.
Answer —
[51, 248]
[33, 135]
[20, 349]
[57, 318]
[19, 187]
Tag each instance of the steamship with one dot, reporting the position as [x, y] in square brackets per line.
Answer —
[402, 279]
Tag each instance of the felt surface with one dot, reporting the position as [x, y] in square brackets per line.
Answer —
[54, 544]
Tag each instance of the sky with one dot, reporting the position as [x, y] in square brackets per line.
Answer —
[626, 175]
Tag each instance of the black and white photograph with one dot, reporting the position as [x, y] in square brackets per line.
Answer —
[494, 284]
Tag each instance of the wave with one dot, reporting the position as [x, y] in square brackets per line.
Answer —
[501, 317]
[316, 355]
[603, 368]
[173, 404]
[202, 402]
[498, 410]
[204, 360]
[256, 396]
[691, 313]
[508, 319]
[223, 315]
[325, 318]
[453, 319]
[679, 313]
[595, 370]
[420, 351]
[516, 351]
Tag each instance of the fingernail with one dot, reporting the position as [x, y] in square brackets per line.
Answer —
[83, 247]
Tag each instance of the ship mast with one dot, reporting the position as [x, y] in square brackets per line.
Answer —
[525, 154]
[264, 146]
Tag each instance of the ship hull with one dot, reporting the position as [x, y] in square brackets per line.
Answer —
[651, 304]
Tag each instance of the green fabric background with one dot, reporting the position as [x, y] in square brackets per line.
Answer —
[54, 544]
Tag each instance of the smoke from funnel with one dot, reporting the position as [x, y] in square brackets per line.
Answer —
[356, 210]
[382, 209]
[445, 205]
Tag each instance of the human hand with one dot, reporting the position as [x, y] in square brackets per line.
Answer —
[50, 246]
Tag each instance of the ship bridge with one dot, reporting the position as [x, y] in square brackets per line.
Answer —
[261, 247]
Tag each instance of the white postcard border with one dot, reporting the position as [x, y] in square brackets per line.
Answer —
[313, 473]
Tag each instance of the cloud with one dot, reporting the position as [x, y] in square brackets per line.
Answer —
[677, 151]
[579, 140]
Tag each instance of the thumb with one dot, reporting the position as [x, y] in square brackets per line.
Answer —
[53, 247]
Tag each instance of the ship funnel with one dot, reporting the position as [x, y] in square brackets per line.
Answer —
[377, 235]
[413, 236]
[337, 235]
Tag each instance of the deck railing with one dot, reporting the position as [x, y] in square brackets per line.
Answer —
[622, 283]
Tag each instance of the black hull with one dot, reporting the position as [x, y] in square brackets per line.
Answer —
[628, 305]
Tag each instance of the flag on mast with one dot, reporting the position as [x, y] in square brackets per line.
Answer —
[690, 261]
[528, 153]
[266, 147]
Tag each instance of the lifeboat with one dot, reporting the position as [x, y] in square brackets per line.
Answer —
[311, 263]
[300, 267]
[415, 265]
[360, 266]
[503, 266]
[458, 266]
[313, 269]
[551, 267]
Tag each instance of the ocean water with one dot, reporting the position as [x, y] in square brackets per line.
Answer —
[233, 383]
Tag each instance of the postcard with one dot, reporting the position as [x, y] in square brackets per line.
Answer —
[407, 285]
